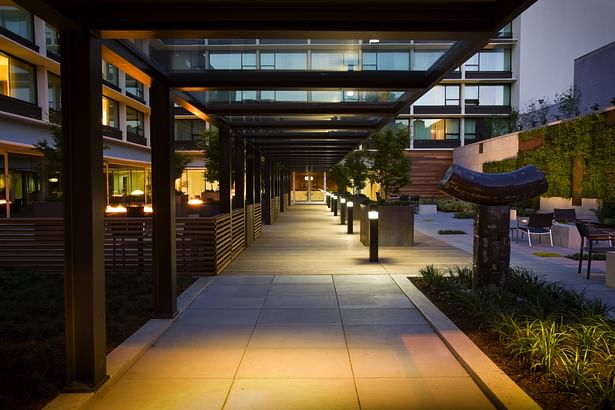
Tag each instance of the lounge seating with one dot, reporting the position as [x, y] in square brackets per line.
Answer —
[565, 215]
[589, 242]
[538, 224]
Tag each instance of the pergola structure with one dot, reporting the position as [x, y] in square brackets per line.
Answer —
[297, 135]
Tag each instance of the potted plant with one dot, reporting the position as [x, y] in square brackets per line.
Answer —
[390, 168]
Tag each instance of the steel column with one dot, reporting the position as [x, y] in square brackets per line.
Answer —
[226, 182]
[84, 271]
[163, 201]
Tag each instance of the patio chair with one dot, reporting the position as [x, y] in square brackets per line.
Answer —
[565, 215]
[589, 242]
[538, 224]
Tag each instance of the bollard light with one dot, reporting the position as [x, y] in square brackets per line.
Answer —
[342, 211]
[343, 200]
[373, 235]
[334, 205]
[350, 207]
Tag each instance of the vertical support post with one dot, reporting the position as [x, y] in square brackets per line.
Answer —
[288, 187]
[84, 270]
[7, 192]
[372, 216]
[257, 177]
[282, 191]
[350, 209]
[267, 195]
[293, 186]
[309, 187]
[163, 201]
[250, 174]
[226, 182]
[324, 176]
[491, 246]
[240, 172]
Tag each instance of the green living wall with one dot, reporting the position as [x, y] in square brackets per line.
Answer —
[588, 140]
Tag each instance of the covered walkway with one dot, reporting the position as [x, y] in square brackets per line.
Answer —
[301, 321]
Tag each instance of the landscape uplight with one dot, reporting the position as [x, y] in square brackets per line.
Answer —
[373, 235]
[350, 207]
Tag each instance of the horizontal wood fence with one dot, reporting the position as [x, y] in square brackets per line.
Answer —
[258, 220]
[205, 245]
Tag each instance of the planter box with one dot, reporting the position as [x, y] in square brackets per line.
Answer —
[428, 209]
[395, 226]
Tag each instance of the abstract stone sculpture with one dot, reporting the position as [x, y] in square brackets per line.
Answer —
[493, 193]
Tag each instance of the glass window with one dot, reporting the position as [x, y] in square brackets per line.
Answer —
[477, 129]
[440, 95]
[436, 129]
[232, 61]
[422, 60]
[188, 130]
[283, 61]
[487, 95]
[469, 129]
[386, 60]
[110, 73]
[134, 122]
[18, 21]
[187, 60]
[52, 40]
[110, 113]
[326, 96]
[335, 61]
[17, 79]
[506, 31]
[497, 59]
[134, 87]
[54, 92]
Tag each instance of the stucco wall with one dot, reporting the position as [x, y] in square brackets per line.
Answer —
[494, 149]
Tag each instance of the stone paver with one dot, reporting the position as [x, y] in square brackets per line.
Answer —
[311, 325]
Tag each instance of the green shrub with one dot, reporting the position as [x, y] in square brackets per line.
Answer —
[552, 330]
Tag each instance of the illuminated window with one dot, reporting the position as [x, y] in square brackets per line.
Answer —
[17, 79]
[134, 87]
[52, 40]
[110, 73]
[436, 129]
[110, 113]
[134, 122]
[54, 92]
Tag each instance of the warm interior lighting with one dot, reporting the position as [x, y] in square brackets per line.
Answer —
[2, 201]
[372, 215]
[343, 200]
[308, 178]
[137, 192]
[350, 93]
[195, 201]
[4, 75]
[53, 179]
[148, 209]
[115, 209]
[349, 204]
[374, 41]
[513, 214]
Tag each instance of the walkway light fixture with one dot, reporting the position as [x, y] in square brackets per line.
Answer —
[334, 205]
[372, 215]
[350, 207]
[343, 211]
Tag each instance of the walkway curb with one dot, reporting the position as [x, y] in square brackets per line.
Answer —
[503, 392]
[120, 359]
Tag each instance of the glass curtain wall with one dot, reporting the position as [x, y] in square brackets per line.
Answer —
[128, 185]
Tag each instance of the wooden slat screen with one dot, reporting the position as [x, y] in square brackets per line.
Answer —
[23, 241]
[238, 231]
[258, 221]
[204, 245]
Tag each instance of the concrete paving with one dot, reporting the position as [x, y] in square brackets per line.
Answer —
[301, 320]
[553, 269]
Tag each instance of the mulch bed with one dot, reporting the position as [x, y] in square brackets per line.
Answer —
[534, 384]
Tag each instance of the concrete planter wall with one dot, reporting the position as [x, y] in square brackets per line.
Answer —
[428, 209]
[395, 226]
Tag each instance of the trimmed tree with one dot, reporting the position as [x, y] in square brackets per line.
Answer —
[341, 176]
[390, 166]
[357, 170]
[209, 142]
